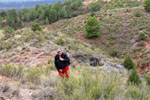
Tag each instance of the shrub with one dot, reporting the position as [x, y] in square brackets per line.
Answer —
[147, 78]
[138, 14]
[133, 93]
[1, 36]
[92, 14]
[128, 63]
[147, 5]
[8, 31]
[92, 28]
[141, 37]
[134, 77]
[112, 37]
[113, 53]
[60, 41]
[95, 7]
[143, 64]
[7, 45]
[86, 84]
[33, 74]
[11, 70]
[36, 27]
[133, 3]
[141, 44]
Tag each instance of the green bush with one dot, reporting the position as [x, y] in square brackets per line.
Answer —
[60, 41]
[85, 84]
[11, 70]
[133, 93]
[36, 27]
[8, 32]
[92, 28]
[147, 5]
[128, 63]
[147, 78]
[138, 13]
[134, 77]
[143, 64]
[33, 74]
[1, 35]
[141, 44]
[7, 45]
[114, 53]
[95, 7]
[141, 37]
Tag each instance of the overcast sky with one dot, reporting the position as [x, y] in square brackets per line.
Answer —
[16, 0]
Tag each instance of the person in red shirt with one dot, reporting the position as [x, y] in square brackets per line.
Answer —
[62, 63]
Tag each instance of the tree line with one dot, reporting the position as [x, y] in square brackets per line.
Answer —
[46, 14]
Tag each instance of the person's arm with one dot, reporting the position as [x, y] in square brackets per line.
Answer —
[66, 58]
[56, 63]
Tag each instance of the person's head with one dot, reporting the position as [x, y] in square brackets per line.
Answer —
[59, 52]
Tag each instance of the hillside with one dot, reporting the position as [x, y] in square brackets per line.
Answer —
[27, 4]
[27, 70]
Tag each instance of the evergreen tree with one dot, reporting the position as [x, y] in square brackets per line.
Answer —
[35, 27]
[12, 18]
[92, 27]
[128, 63]
[134, 77]
[147, 78]
[95, 7]
[3, 14]
[46, 21]
[52, 15]
[147, 5]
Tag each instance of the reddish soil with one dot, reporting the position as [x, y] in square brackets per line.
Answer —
[145, 68]
[82, 38]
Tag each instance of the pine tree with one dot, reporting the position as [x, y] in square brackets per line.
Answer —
[52, 15]
[95, 7]
[92, 27]
[46, 21]
[128, 63]
[35, 27]
[134, 77]
[147, 5]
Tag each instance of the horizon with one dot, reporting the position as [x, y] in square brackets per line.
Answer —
[7, 1]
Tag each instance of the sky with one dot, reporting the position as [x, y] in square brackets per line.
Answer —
[16, 0]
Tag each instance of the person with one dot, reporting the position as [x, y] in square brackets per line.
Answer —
[62, 63]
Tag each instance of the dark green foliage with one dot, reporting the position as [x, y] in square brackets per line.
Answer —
[143, 64]
[8, 32]
[134, 77]
[3, 14]
[52, 15]
[128, 63]
[147, 78]
[95, 6]
[60, 41]
[147, 5]
[138, 13]
[92, 14]
[92, 28]
[36, 27]
[141, 36]
[114, 53]
[141, 44]
[46, 21]
[46, 13]
[12, 19]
